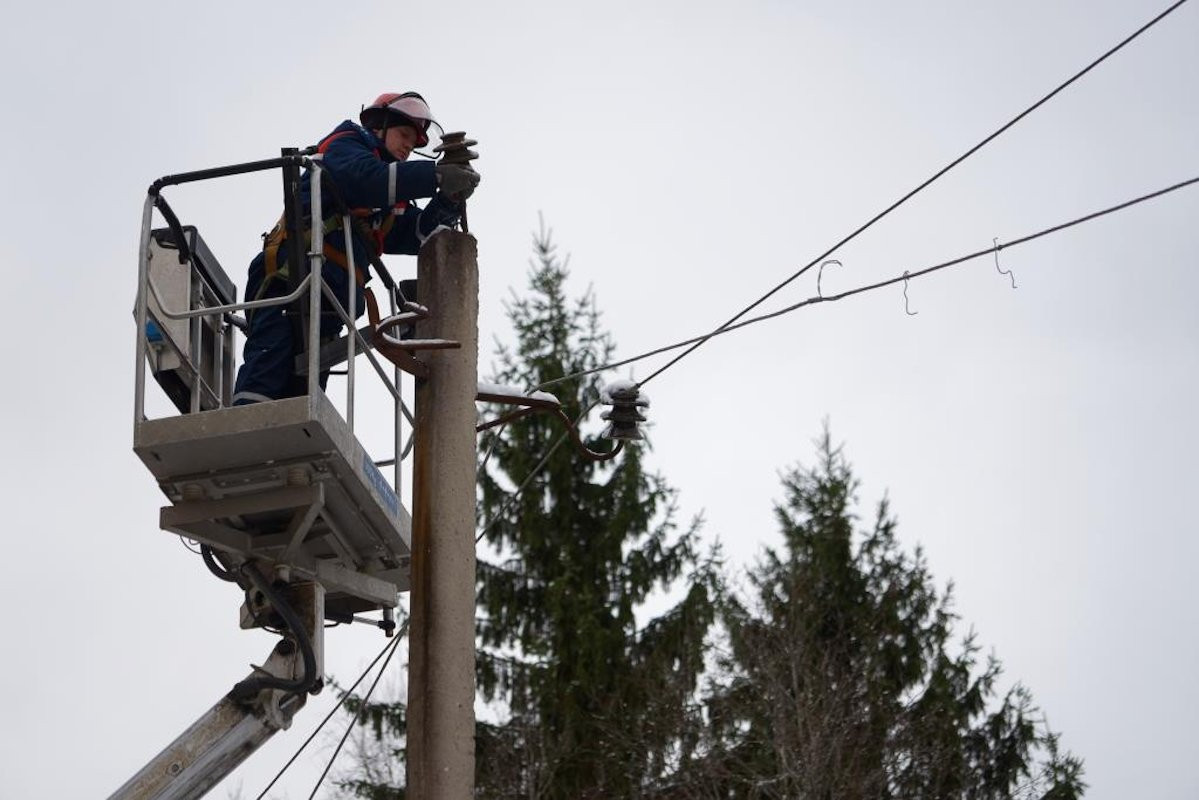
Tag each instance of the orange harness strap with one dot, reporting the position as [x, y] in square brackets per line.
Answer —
[278, 235]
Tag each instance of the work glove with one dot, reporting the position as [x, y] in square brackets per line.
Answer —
[441, 212]
[456, 181]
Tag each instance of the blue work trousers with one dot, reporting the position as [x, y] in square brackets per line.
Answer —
[268, 359]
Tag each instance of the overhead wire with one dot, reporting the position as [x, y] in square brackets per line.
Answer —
[366, 698]
[906, 276]
[392, 644]
[731, 324]
[912, 274]
[697, 344]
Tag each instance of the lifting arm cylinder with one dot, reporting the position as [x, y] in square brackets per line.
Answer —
[229, 732]
[215, 745]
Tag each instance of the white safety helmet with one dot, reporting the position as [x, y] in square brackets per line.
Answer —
[399, 108]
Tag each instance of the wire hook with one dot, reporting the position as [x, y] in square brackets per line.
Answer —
[1000, 269]
[820, 274]
[909, 311]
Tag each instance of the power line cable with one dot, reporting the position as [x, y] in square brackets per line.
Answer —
[730, 325]
[913, 192]
[329, 716]
[908, 275]
[729, 328]
[394, 646]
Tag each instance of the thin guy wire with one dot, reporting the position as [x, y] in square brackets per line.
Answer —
[913, 274]
[913, 192]
[494, 439]
[395, 646]
[328, 717]
[533, 473]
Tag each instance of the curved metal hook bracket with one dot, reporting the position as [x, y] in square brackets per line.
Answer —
[1000, 269]
[594, 455]
[906, 307]
[820, 274]
[532, 404]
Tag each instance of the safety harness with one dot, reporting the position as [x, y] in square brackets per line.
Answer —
[370, 226]
[278, 235]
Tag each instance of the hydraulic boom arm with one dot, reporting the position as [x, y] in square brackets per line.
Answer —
[253, 710]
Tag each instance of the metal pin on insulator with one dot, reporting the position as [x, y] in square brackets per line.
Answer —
[455, 149]
[623, 418]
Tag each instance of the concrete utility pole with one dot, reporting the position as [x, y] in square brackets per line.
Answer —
[441, 666]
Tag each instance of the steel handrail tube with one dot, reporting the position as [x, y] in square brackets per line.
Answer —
[366, 347]
[194, 354]
[141, 311]
[357, 343]
[300, 159]
[231, 307]
[399, 410]
[352, 298]
[316, 267]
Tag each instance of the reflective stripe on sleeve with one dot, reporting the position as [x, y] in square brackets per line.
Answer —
[392, 174]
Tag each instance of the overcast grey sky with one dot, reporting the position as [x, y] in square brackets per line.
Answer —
[1038, 443]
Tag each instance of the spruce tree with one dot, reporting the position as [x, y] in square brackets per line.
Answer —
[594, 703]
[842, 679]
[587, 693]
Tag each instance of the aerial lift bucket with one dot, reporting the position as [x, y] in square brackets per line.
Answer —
[282, 496]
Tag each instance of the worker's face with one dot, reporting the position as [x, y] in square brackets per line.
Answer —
[400, 140]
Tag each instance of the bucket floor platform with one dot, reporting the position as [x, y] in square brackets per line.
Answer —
[287, 483]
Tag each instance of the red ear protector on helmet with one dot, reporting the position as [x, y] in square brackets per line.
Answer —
[392, 108]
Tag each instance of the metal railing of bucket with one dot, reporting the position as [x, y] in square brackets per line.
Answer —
[306, 281]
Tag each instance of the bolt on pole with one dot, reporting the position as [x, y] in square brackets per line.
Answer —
[441, 669]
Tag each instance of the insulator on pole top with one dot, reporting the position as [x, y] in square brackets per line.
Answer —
[455, 148]
[626, 400]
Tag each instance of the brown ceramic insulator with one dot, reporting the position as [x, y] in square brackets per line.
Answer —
[455, 148]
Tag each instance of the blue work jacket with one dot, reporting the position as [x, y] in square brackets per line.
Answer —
[381, 191]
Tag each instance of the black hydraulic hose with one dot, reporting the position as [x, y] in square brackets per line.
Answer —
[213, 567]
[297, 264]
[232, 169]
[297, 158]
[292, 223]
[244, 690]
[176, 228]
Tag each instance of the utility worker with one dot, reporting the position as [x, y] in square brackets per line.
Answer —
[369, 165]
